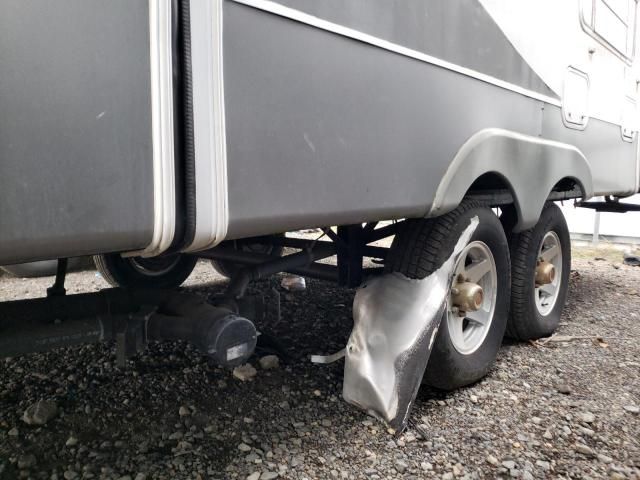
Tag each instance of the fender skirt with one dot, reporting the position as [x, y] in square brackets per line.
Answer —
[396, 320]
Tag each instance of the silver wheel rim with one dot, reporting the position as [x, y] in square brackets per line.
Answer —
[469, 330]
[546, 295]
[154, 266]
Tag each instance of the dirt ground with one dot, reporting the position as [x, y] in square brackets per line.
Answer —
[563, 409]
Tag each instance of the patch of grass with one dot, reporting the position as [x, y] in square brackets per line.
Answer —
[607, 252]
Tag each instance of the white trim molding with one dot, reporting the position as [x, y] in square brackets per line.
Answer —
[164, 178]
[209, 124]
[296, 15]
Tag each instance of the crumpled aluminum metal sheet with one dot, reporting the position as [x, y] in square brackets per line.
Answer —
[396, 320]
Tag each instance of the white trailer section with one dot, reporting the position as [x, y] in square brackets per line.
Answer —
[603, 228]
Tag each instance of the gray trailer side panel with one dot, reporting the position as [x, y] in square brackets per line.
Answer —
[461, 32]
[76, 166]
[326, 129]
[323, 129]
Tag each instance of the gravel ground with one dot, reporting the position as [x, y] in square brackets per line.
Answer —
[565, 409]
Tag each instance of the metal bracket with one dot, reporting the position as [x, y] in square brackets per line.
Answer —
[350, 255]
[132, 335]
[240, 281]
[57, 289]
[326, 359]
[610, 205]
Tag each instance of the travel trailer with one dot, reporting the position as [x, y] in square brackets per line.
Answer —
[151, 133]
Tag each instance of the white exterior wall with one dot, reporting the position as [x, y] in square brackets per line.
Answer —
[582, 221]
[565, 43]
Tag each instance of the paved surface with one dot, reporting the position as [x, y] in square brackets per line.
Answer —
[565, 409]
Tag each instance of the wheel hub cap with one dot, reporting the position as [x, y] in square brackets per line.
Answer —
[548, 273]
[471, 303]
[467, 296]
[545, 273]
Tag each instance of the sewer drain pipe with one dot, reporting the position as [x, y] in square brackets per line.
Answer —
[132, 318]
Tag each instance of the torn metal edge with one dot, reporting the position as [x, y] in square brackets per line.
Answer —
[396, 320]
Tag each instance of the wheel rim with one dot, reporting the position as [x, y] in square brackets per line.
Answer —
[156, 266]
[257, 248]
[468, 330]
[546, 295]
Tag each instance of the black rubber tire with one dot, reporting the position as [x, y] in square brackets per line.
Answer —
[227, 269]
[422, 247]
[525, 321]
[171, 271]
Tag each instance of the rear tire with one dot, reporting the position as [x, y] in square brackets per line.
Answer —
[535, 311]
[136, 272]
[420, 249]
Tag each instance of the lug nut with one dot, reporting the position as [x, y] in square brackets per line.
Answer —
[545, 273]
[467, 296]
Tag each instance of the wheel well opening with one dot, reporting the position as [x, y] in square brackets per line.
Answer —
[488, 182]
[569, 184]
[496, 191]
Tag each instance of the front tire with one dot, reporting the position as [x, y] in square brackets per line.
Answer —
[465, 347]
[164, 272]
[536, 308]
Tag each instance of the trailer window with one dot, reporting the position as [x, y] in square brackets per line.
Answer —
[613, 23]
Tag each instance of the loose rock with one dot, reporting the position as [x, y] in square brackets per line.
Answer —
[584, 450]
[245, 372]
[40, 412]
[401, 466]
[544, 465]
[587, 417]
[426, 466]
[269, 362]
[604, 458]
[27, 461]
